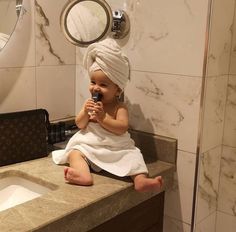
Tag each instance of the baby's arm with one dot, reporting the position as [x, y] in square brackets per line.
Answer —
[83, 117]
[118, 125]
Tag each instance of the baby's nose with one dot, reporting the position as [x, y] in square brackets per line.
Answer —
[97, 88]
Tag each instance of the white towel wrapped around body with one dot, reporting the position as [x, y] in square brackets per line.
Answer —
[116, 154]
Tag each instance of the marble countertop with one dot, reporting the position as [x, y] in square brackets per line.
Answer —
[69, 207]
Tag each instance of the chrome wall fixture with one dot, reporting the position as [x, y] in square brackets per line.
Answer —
[120, 24]
[18, 7]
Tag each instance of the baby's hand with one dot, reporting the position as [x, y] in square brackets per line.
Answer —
[89, 106]
[98, 111]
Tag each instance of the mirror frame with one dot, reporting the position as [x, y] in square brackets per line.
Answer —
[63, 22]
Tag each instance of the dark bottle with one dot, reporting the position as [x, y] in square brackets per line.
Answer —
[97, 96]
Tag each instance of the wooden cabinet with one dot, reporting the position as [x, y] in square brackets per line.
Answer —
[145, 217]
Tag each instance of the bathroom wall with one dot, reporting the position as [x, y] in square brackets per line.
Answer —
[39, 68]
[37, 65]
[216, 192]
[226, 211]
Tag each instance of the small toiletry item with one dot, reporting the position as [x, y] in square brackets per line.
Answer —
[97, 96]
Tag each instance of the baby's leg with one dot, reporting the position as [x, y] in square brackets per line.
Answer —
[142, 183]
[78, 172]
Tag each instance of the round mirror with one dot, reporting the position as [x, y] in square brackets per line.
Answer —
[86, 21]
[9, 13]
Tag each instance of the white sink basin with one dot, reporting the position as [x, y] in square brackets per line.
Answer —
[15, 190]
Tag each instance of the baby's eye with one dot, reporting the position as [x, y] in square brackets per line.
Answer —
[92, 82]
[103, 85]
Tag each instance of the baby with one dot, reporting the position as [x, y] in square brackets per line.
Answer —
[103, 143]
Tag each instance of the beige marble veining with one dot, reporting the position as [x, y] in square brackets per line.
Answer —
[66, 204]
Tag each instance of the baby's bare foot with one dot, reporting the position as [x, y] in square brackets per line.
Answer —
[73, 176]
[145, 184]
[65, 171]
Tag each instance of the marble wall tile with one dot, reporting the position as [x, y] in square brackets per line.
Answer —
[225, 222]
[49, 37]
[121, 4]
[167, 105]
[208, 224]
[221, 28]
[214, 108]
[17, 89]
[162, 31]
[20, 49]
[208, 183]
[230, 118]
[80, 55]
[227, 188]
[173, 225]
[82, 87]
[218, 115]
[178, 199]
[56, 90]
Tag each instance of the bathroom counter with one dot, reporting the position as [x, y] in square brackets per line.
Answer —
[110, 200]
[74, 208]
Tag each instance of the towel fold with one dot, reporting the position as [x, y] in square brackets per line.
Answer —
[115, 154]
[107, 56]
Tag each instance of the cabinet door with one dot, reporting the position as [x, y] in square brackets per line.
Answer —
[145, 217]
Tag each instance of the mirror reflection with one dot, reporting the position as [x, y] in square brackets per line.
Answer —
[9, 13]
[86, 21]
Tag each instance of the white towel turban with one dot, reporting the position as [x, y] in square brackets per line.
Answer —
[107, 56]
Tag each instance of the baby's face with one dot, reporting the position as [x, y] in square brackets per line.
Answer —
[99, 82]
